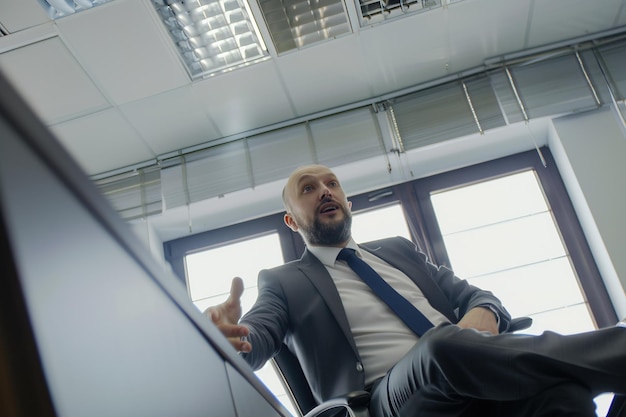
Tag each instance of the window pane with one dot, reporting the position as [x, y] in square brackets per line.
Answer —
[524, 200]
[209, 274]
[506, 244]
[379, 223]
[501, 236]
[520, 287]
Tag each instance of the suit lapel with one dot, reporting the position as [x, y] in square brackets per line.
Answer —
[317, 273]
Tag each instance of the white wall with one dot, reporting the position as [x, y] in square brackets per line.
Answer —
[145, 232]
[590, 149]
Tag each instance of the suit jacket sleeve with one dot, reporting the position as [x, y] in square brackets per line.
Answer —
[461, 296]
[267, 320]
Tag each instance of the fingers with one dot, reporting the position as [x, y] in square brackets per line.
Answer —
[230, 310]
[226, 315]
[240, 345]
[236, 335]
[236, 290]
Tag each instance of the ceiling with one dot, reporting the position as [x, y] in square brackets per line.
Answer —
[109, 83]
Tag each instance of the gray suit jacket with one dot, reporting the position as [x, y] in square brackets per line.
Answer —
[298, 304]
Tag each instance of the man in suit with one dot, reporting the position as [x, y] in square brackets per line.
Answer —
[347, 339]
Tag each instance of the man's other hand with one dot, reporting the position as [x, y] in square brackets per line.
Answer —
[480, 318]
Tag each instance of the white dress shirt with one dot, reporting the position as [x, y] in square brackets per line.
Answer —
[381, 337]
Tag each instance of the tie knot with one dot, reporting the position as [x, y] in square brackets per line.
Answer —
[346, 253]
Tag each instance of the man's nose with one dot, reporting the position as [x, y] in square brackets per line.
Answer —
[325, 193]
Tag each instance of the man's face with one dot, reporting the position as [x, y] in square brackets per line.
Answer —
[317, 207]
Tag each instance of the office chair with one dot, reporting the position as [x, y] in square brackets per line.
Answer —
[354, 404]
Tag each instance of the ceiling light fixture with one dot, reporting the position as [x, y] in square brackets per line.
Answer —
[212, 35]
[375, 11]
[60, 8]
[297, 23]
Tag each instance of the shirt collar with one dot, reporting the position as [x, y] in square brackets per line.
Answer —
[328, 254]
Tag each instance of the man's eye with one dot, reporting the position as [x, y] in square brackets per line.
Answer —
[307, 189]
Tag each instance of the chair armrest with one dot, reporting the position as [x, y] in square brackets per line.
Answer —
[519, 323]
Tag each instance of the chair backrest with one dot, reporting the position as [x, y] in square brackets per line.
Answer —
[289, 369]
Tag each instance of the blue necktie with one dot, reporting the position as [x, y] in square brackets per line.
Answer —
[410, 315]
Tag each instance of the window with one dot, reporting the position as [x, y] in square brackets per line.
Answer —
[500, 235]
[379, 223]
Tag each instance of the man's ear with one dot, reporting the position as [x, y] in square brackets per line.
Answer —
[350, 205]
[290, 222]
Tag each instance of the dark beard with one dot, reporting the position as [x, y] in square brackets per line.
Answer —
[323, 234]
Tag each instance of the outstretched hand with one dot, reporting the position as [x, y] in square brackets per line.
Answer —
[226, 317]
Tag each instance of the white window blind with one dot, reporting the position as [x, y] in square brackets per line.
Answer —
[275, 154]
[443, 112]
[205, 174]
[347, 137]
[614, 57]
[546, 88]
[135, 194]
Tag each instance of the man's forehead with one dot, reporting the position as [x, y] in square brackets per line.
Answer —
[311, 173]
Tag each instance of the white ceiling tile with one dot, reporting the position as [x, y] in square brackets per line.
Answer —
[245, 99]
[407, 51]
[171, 121]
[16, 15]
[484, 29]
[554, 20]
[49, 78]
[125, 49]
[326, 75]
[102, 142]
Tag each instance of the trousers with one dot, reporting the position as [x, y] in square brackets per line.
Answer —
[454, 372]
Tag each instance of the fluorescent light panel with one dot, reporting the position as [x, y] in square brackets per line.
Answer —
[375, 11]
[60, 8]
[212, 35]
[297, 23]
